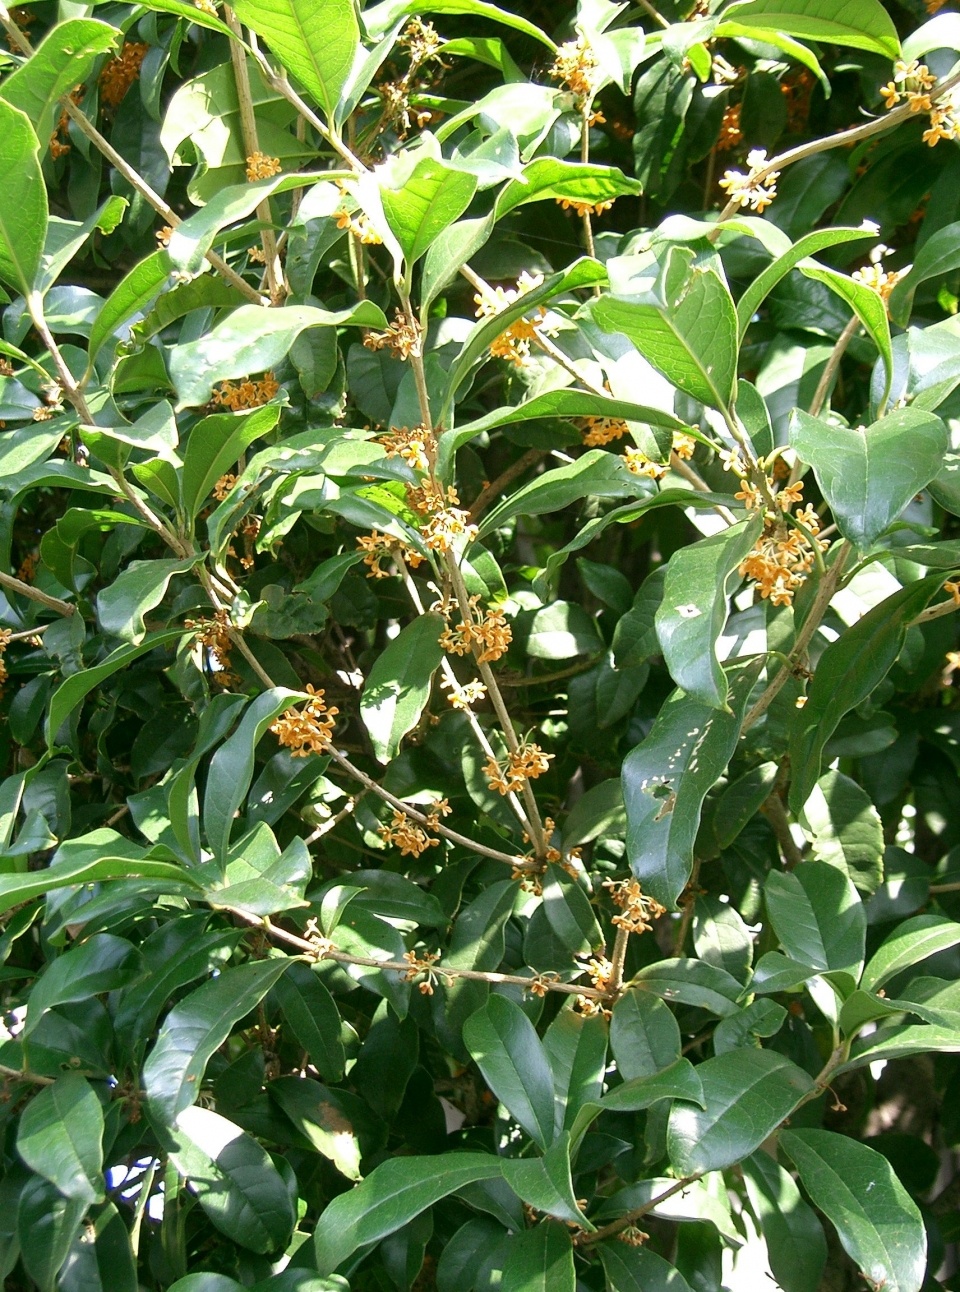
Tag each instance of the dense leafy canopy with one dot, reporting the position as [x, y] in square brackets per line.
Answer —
[479, 563]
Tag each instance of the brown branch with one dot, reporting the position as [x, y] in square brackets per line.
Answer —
[27, 590]
[496, 487]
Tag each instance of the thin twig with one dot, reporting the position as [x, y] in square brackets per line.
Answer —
[584, 1239]
[14, 1074]
[27, 590]
[776, 814]
[833, 363]
[507, 477]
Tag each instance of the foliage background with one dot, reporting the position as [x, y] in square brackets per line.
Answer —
[214, 435]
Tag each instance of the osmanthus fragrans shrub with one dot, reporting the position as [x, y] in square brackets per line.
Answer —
[480, 562]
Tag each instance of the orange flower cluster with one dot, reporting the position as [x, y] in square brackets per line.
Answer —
[224, 485]
[422, 964]
[912, 81]
[514, 342]
[206, 6]
[5, 635]
[750, 190]
[637, 911]
[446, 526]
[584, 208]
[164, 236]
[600, 972]
[360, 226]
[602, 430]
[797, 88]
[307, 731]
[782, 557]
[640, 465]
[683, 445]
[525, 764]
[576, 67]
[881, 280]
[57, 149]
[404, 834]
[121, 72]
[260, 166]
[730, 133]
[401, 336]
[214, 635]
[489, 637]
[934, 6]
[377, 547]
[418, 447]
[246, 394]
[462, 697]
[428, 497]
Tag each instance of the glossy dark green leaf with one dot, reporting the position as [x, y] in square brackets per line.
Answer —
[876, 1220]
[102, 963]
[667, 777]
[390, 1196]
[637, 1269]
[47, 1223]
[747, 1093]
[424, 203]
[818, 916]
[576, 1050]
[314, 1019]
[233, 1178]
[845, 830]
[796, 1245]
[693, 611]
[644, 1035]
[863, 24]
[540, 1260]
[692, 982]
[139, 589]
[100, 1258]
[848, 670]
[195, 1028]
[912, 941]
[62, 59]
[869, 475]
[679, 1081]
[214, 446]
[23, 201]
[508, 1052]
[741, 800]
[60, 1137]
[398, 687]
[681, 318]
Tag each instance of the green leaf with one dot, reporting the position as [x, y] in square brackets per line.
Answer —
[561, 630]
[100, 1258]
[576, 1050]
[428, 199]
[134, 593]
[692, 982]
[508, 1052]
[545, 1182]
[195, 1028]
[693, 611]
[680, 316]
[46, 1223]
[876, 1220]
[665, 780]
[317, 48]
[102, 963]
[332, 1120]
[379, 17]
[193, 238]
[63, 58]
[216, 443]
[398, 686]
[540, 1260]
[679, 1081]
[741, 800]
[817, 916]
[720, 936]
[940, 254]
[313, 1018]
[582, 273]
[845, 830]
[847, 672]
[131, 296]
[60, 1137]
[867, 304]
[914, 940]
[551, 404]
[569, 912]
[186, 9]
[596, 474]
[74, 690]
[862, 24]
[796, 1246]
[747, 1094]
[392, 1195]
[644, 1035]
[900, 1043]
[743, 1029]
[869, 476]
[231, 768]
[23, 201]
[89, 869]
[766, 281]
[234, 1180]
[637, 1269]
[250, 340]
